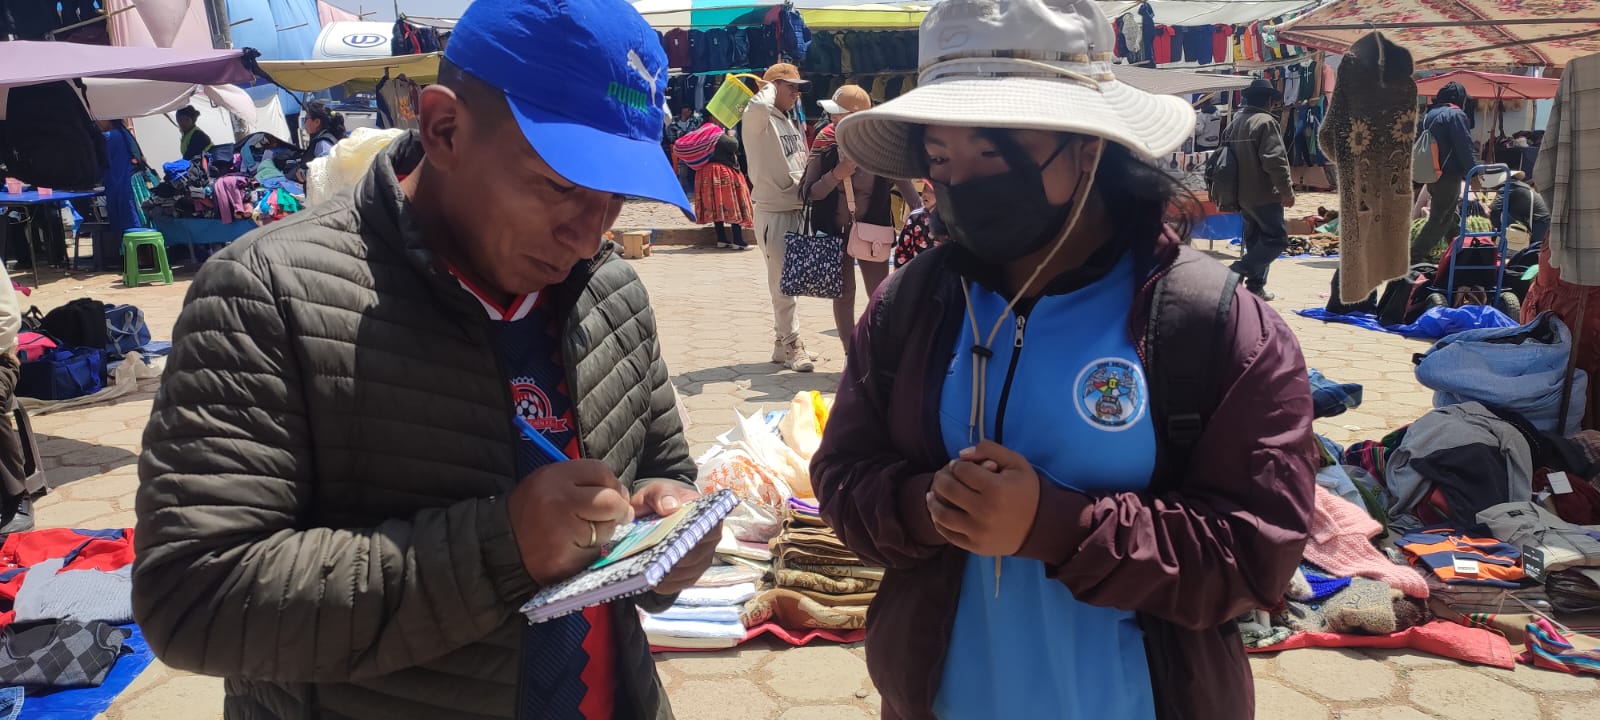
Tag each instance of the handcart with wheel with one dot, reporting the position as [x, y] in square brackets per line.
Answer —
[1479, 256]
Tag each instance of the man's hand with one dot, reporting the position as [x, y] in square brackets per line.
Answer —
[985, 501]
[665, 497]
[1287, 199]
[563, 513]
[845, 169]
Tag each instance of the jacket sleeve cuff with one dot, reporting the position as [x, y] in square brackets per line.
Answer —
[1060, 526]
[913, 506]
[502, 560]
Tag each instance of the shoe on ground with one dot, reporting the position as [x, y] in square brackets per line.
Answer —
[17, 515]
[724, 246]
[793, 355]
[1264, 294]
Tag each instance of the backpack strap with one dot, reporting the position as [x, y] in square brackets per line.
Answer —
[1189, 314]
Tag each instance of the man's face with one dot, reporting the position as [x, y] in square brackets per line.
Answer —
[685, 114]
[518, 224]
[185, 123]
[788, 95]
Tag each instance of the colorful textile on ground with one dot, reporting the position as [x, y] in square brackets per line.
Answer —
[1548, 648]
[1443, 638]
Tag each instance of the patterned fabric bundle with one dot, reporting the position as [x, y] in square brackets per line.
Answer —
[695, 148]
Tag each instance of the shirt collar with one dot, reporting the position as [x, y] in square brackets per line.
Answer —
[519, 308]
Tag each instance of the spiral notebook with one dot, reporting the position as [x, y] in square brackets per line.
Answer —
[636, 559]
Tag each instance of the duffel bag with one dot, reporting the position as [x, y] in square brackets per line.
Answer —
[126, 330]
[64, 373]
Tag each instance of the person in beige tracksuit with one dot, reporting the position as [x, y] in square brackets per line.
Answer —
[777, 154]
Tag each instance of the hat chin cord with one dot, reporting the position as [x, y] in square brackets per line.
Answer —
[976, 430]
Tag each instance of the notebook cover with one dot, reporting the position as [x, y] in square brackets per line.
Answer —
[635, 574]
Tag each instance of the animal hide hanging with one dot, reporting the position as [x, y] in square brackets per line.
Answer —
[1371, 126]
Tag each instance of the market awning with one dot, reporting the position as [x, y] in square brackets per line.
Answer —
[1456, 33]
[821, 14]
[314, 75]
[29, 62]
[1177, 82]
[1203, 12]
[1484, 85]
[353, 41]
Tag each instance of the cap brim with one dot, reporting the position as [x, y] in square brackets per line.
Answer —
[831, 107]
[879, 140]
[801, 83]
[598, 160]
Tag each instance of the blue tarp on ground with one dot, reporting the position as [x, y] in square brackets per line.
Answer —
[1434, 324]
[89, 702]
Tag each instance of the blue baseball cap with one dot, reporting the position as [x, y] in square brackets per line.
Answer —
[586, 81]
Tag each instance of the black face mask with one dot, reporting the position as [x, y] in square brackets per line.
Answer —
[1001, 218]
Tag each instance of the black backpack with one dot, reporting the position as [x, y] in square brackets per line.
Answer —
[49, 140]
[80, 323]
[1188, 320]
[1222, 178]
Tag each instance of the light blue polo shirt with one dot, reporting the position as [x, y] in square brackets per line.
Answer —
[1078, 409]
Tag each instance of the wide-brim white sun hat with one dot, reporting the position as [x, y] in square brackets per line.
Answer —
[1015, 64]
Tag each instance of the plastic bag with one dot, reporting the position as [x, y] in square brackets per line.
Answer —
[755, 437]
[759, 515]
[802, 425]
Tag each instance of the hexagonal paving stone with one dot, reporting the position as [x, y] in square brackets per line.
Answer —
[825, 712]
[1459, 694]
[824, 672]
[1383, 713]
[1276, 702]
[1544, 681]
[1579, 710]
[723, 663]
[85, 455]
[100, 487]
[182, 697]
[1340, 675]
[1410, 658]
[69, 513]
[737, 699]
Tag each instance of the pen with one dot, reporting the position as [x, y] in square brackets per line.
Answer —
[549, 449]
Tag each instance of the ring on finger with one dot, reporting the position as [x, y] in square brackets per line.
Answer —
[594, 535]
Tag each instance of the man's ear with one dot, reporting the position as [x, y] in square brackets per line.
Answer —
[441, 120]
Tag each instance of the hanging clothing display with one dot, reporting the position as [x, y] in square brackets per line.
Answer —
[1369, 129]
[399, 102]
[1568, 173]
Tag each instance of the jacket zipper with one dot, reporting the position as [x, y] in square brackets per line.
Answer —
[1022, 311]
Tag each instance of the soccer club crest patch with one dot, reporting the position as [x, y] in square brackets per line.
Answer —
[1110, 394]
[533, 405]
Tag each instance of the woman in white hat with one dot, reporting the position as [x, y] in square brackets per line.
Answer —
[1077, 445]
[841, 194]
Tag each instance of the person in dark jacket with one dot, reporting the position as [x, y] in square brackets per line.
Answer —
[194, 142]
[339, 511]
[1450, 128]
[324, 128]
[1040, 562]
[1264, 184]
[1526, 206]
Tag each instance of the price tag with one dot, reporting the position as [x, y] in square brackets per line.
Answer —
[1559, 484]
[1533, 563]
[1466, 566]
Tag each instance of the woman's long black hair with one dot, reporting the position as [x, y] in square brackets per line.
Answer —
[332, 122]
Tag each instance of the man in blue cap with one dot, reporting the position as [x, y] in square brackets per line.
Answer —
[337, 509]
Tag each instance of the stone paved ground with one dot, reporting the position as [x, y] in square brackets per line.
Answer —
[715, 322]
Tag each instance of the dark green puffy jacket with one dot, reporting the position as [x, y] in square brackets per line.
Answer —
[321, 502]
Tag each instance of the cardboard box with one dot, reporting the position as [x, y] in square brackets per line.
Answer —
[636, 245]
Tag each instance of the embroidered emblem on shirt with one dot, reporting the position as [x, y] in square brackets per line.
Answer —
[531, 403]
[1111, 394]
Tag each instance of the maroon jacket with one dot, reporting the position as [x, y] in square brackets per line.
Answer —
[1204, 544]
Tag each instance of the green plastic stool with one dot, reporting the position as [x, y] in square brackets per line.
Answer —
[132, 240]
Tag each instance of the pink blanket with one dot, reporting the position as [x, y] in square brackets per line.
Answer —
[1440, 637]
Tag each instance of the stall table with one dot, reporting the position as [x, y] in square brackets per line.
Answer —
[199, 231]
[30, 200]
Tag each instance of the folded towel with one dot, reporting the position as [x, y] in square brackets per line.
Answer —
[716, 613]
[656, 627]
[713, 596]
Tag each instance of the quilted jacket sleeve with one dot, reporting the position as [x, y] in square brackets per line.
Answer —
[231, 579]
